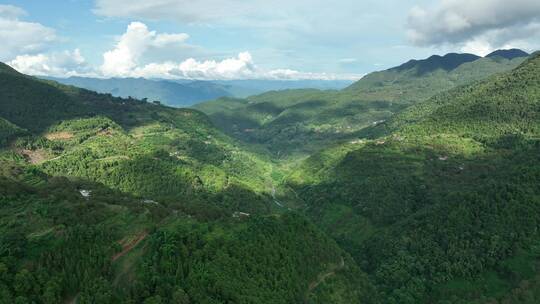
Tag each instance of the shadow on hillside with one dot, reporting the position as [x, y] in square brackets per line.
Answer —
[432, 214]
[38, 104]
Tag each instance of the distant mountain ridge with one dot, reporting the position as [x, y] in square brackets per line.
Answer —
[185, 92]
[306, 120]
[451, 61]
[178, 94]
[447, 62]
[509, 54]
[437, 72]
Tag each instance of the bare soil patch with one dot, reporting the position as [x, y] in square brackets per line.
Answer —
[59, 136]
[34, 156]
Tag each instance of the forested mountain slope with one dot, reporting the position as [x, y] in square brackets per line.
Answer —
[442, 206]
[110, 200]
[302, 121]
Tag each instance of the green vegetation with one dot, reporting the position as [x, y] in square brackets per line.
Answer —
[8, 131]
[111, 200]
[442, 206]
[300, 122]
[184, 93]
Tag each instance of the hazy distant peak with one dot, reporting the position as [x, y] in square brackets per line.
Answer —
[447, 62]
[508, 54]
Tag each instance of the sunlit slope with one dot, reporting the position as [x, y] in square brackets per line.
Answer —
[109, 200]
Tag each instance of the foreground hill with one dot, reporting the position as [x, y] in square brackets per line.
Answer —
[302, 121]
[111, 200]
[443, 206]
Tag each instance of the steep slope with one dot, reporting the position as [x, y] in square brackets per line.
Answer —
[8, 131]
[58, 246]
[110, 200]
[507, 104]
[420, 79]
[444, 207]
[299, 122]
[130, 145]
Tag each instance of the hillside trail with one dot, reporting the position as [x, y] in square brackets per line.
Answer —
[129, 246]
[323, 276]
[274, 198]
[125, 250]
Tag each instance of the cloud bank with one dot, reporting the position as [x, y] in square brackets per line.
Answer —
[21, 37]
[479, 25]
[61, 64]
[127, 59]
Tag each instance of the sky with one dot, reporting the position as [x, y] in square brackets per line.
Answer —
[253, 39]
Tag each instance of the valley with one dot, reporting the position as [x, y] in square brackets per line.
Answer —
[417, 184]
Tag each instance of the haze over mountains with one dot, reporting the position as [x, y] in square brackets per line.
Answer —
[185, 93]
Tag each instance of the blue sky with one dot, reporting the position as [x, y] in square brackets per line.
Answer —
[230, 39]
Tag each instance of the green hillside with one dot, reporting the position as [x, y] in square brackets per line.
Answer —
[419, 80]
[443, 207]
[407, 198]
[299, 122]
[8, 131]
[506, 105]
[110, 200]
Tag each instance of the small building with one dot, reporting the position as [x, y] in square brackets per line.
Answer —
[86, 193]
[239, 214]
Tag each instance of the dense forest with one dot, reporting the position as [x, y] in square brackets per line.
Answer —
[431, 195]
[442, 204]
[296, 123]
[111, 200]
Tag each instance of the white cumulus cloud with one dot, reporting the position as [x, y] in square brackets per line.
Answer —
[479, 25]
[134, 43]
[59, 64]
[241, 66]
[127, 59]
[21, 37]
[133, 56]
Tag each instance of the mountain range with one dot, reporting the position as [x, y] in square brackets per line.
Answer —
[351, 196]
[185, 93]
[300, 121]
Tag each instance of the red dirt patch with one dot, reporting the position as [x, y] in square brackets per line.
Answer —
[127, 247]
